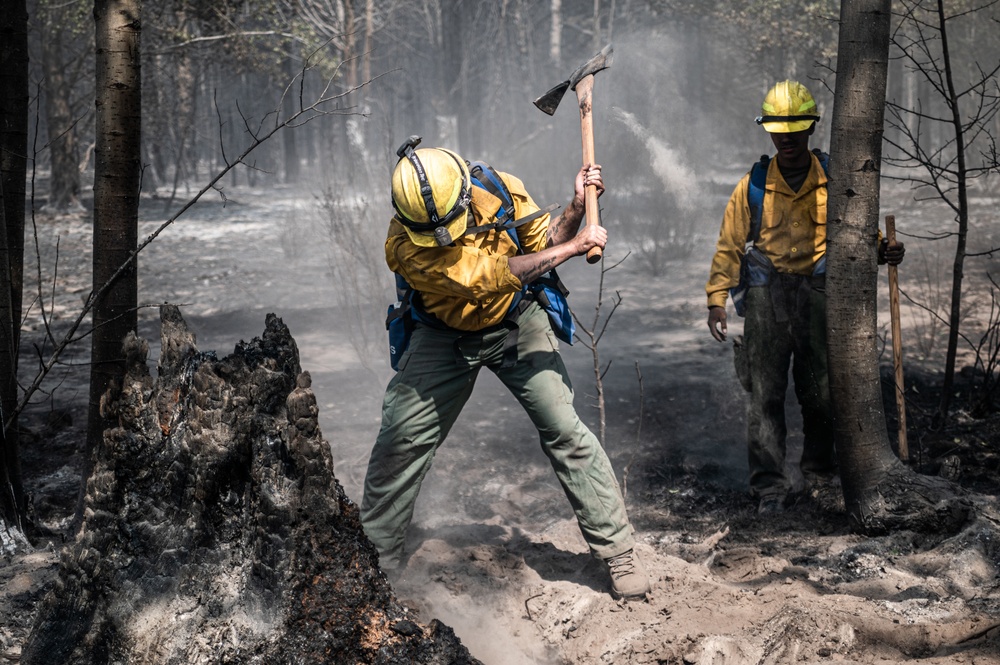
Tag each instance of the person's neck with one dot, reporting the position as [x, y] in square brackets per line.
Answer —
[800, 162]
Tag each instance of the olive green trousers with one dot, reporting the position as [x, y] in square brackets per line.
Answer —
[435, 379]
[786, 323]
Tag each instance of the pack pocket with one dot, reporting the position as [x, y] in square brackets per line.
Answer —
[755, 270]
[399, 323]
[550, 294]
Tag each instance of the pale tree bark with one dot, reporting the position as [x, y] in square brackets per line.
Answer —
[13, 167]
[366, 60]
[555, 34]
[116, 201]
[880, 493]
[597, 26]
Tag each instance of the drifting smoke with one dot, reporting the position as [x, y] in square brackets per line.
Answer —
[668, 164]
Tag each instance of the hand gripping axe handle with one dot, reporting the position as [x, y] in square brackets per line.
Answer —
[582, 81]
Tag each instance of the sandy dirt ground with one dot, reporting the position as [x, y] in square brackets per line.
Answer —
[494, 550]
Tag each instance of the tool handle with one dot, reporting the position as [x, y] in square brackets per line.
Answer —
[584, 93]
[897, 343]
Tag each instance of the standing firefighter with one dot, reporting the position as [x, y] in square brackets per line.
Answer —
[465, 283]
[771, 257]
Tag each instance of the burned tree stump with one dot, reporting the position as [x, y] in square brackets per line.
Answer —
[215, 530]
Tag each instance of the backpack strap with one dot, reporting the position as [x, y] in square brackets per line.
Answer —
[509, 226]
[485, 176]
[755, 197]
[824, 160]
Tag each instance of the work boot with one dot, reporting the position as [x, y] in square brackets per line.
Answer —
[628, 576]
[771, 504]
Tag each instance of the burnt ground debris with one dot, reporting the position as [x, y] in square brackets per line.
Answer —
[493, 550]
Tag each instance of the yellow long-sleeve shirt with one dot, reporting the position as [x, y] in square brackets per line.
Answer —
[792, 230]
[469, 286]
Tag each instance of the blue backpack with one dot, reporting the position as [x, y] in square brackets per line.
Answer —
[755, 267]
[548, 290]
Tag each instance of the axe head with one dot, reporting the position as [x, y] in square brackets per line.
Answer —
[549, 102]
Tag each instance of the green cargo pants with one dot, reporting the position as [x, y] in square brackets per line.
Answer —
[786, 320]
[422, 402]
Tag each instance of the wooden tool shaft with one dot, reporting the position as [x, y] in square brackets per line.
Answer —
[584, 94]
[897, 344]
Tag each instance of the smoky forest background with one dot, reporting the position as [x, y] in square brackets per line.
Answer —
[257, 150]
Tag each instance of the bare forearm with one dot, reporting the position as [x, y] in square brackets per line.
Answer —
[565, 227]
[529, 267]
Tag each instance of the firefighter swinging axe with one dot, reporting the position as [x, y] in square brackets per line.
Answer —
[582, 82]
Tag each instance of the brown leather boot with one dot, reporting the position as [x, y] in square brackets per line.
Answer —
[628, 576]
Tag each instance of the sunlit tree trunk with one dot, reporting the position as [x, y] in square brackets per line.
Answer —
[856, 153]
[13, 166]
[116, 200]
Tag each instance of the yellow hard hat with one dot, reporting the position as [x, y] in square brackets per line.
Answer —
[431, 193]
[788, 107]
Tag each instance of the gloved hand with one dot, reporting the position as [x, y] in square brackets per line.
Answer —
[893, 255]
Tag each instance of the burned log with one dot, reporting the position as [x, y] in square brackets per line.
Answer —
[215, 529]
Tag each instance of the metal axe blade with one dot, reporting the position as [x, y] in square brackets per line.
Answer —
[549, 102]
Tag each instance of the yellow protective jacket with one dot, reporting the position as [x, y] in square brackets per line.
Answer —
[792, 229]
[469, 286]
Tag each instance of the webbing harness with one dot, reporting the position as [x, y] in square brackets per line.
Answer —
[755, 268]
[484, 176]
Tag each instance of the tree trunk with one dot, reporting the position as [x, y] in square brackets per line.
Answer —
[64, 188]
[13, 168]
[216, 531]
[291, 105]
[116, 201]
[879, 492]
[962, 218]
[555, 34]
[597, 43]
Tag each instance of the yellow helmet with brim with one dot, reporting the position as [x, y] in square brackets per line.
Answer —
[788, 107]
[431, 190]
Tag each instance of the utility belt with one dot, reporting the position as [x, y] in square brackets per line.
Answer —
[548, 291]
[508, 323]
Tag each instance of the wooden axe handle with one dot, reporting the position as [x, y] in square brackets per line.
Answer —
[584, 93]
[897, 342]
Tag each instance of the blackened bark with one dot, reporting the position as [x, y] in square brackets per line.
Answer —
[13, 167]
[216, 530]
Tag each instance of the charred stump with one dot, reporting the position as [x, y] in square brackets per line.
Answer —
[215, 529]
